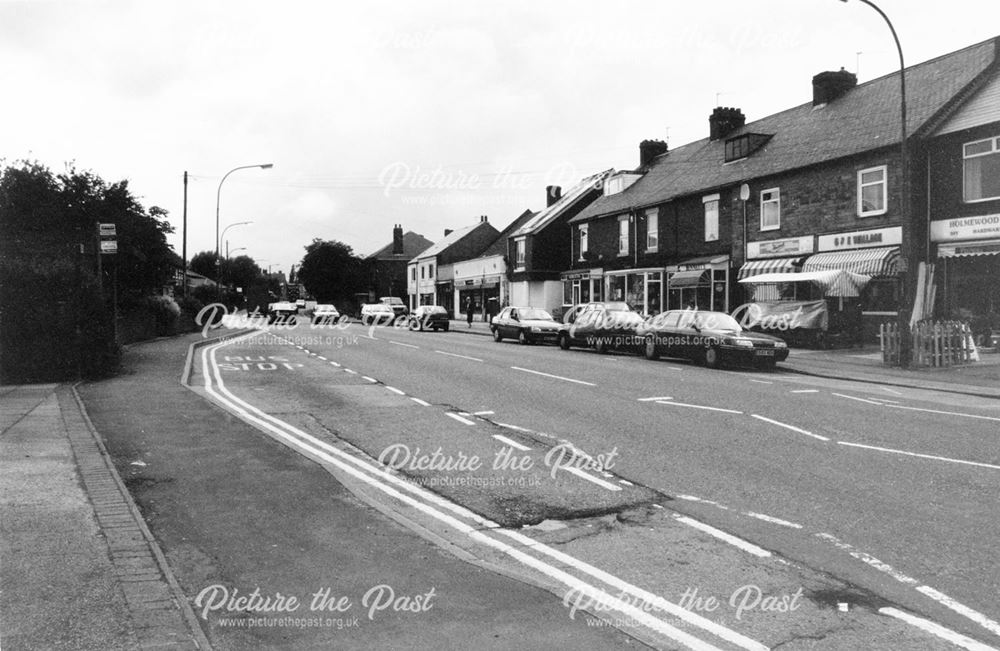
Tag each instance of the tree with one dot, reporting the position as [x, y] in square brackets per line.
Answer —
[241, 272]
[330, 271]
[204, 263]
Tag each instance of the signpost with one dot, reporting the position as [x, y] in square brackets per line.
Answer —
[107, 236]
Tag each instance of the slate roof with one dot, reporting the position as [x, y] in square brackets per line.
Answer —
[448, 240]
[863, 119]
[413, 243]
[499, 247]
[545, 216]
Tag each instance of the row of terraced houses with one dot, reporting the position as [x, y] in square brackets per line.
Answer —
[814, 187]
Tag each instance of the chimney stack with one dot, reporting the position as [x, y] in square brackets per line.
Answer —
[724, 120]
[828, 86]
[397, 239]
[482, 219]
[650, 149]
[553, 193]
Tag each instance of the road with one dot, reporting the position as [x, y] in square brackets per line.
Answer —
[890, 491]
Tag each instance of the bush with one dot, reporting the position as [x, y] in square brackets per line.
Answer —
[165, 311]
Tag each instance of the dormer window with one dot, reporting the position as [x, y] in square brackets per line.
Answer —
[742, 146]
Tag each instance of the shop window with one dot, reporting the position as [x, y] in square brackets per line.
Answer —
[981, 170]
[770, 209]
[652, 231]
[623, 235]
[872, 191]
[711, 217]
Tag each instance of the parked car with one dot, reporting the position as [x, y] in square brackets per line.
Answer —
[325, 313]
[283, 313]
[602, 326]
[429, 317]
[396, 304]
[377, 314]
[710, 338]
[526, 324]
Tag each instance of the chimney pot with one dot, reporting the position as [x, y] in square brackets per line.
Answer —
[397, 240]
[724, 120]
[552, 194]
[829, 85]
[650, 149]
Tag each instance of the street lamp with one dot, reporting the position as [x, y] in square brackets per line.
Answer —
[242, 248]
[905, 343]
[218, 196]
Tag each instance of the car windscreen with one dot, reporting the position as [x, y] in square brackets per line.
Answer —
[715, 321]
[540, 315]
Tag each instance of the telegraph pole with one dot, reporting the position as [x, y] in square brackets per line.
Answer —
[184, 240]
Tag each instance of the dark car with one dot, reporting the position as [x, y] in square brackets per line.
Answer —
[429, 317]
[602, 326]
[710, 338]
[526, 324]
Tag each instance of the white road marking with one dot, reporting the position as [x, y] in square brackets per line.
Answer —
[936, 629]
[400, 343]
[654, 399]
[459, 418]
[395, 390]
[762, 382]
[692, 498]
[600, 482]
[805, 391]
[347, 370]
[773, 520]
[335, 364]
[330, 455]
[625, 482]
[555, 377]
[515, 427]
[321, 357]
[791, 427]
[684, 404]
[482, 413]
[748, 547]
[922, 456]
[512, 443]
[898, 393]
[474, 359]
[946, 413]
[965, 611]
[420, 402]
[870, 402]
[868, 559]
[370, 379]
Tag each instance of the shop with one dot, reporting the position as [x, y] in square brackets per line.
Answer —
[968, 265]
[642, 289]
[703, 283]
[485, 294]
[773, 256]
[446, 295]
[581, 287]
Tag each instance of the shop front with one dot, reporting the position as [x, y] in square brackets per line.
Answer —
[583, 286]
[968, 254]
[873, 253]
[773, 256]
[484, 293]
[445, 295]
[702, 283]
[642, 289]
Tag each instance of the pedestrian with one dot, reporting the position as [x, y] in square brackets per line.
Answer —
[469, 307]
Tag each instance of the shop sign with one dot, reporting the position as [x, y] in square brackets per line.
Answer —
[861, 239]
[779, 248]
[981, 227]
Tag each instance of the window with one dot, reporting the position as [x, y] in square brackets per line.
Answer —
[413, 273]
[652, 230]
[430, 271]
[583, 240]
[519, 252]
[421, 273]
[981, 170]
[623, 235]
[711, 217]
[872, 191]
[770, 209]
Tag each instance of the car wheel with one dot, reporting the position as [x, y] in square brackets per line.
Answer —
[413, 325]
[496, 335]
[711, 357]
[522, 338]
[649, 349]
[446, 327]
[564, 341]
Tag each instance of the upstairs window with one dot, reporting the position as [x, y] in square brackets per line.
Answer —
[981, 170]
[519, 252]
[623, 235]
[770, 209]
[711, 217]
[583, 240]
[872, 191]
[652, 230]
[430, 271]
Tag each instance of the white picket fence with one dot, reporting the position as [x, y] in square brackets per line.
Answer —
[935, 344]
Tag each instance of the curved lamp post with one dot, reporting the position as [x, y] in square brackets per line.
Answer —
[218, 195]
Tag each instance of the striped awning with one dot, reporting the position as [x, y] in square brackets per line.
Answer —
[882, 261]
[769, 265]
[985, 247]
[691, 278]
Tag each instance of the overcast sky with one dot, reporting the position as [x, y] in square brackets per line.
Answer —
[427, 114]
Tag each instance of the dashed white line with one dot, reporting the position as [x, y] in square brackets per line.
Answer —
[946, 413]
[870, 402]
[965, 611]
[422, 403]
[898, 393]
[512, 443]
[684, 404]
[400, 343]
[655, 399]
[474, 359]
[692, 498]
[482, 413]
[600, 482]
[395, 390]
[369, 379]
[869, 559]
[916, 454]
[748, 547]
[347, 370]
[773, 520]
[762, 381]
[791, 427]
[459, 418]
[335, 364]
[515, 427]
[936, 629]
[555, 377]
[321, 357]
[625, 482]
[805, 391]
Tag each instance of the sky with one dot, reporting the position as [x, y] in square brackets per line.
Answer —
[426, 114]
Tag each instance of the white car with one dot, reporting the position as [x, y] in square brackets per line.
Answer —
[325, 313]
[377, 314]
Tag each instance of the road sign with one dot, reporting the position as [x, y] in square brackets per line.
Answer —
[109, 246]
[107, 230]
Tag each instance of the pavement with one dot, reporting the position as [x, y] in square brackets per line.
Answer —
[81, 570]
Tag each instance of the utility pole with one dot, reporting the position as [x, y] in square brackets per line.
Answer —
[184, 239]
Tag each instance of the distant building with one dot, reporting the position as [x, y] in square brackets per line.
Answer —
[385, 269]
[430, 275]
